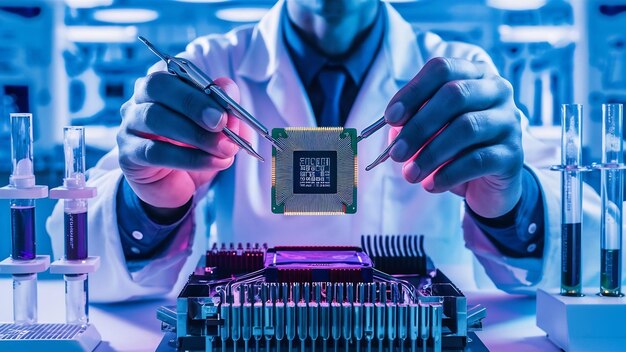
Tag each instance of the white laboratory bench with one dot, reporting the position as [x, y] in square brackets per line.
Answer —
[509, 326]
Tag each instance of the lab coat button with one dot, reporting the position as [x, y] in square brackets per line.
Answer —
[134, 250]
[137, 235]
[531, 247]
[532, 228]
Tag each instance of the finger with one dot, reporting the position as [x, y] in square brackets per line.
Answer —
[480, 162]
[155, 119]
[393, 133]
[147, 152]
[229, 86]
[476, 128]
[170, 91]
[426, 83]
[450, 101]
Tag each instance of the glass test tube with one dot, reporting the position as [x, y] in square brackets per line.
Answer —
[22, 176]
[23, 218]
[76, 285]
[75, 209]
[571, 199]
[612, 199]
[25, 298]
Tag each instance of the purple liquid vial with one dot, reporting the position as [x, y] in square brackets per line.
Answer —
[23, 230]
[76, 236]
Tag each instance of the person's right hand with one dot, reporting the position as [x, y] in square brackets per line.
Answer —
[170, 140]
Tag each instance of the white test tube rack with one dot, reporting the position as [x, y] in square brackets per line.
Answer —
[25, 333]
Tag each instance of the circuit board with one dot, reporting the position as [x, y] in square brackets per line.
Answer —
[318, 298]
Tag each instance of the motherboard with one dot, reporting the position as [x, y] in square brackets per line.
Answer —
[307, 298]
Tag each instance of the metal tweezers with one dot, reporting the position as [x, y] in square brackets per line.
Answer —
[370, 130]
[191, 74]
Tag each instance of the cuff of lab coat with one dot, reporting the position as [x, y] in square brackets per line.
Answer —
[141, 237]
[513, 274]
[520, 232]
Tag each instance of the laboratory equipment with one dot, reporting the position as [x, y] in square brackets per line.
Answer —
[317, 298]
[191, 74]
[24, 263]
[370, 130]
[559, 313]
[76, 264]
[25, 334]
[612, 193]
[571, 169]
[589, 323]
[31, 79]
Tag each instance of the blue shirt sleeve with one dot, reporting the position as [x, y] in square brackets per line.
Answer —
[140, 235]
[520, 232]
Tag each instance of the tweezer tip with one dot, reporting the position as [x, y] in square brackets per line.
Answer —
[279, 146]
[257, 156]
[376, 162]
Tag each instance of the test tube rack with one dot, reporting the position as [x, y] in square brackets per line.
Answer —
[588, 320]
[588, 323]
[26, 333]
[40, 336]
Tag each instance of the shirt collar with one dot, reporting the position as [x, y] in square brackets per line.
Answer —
[308, 60]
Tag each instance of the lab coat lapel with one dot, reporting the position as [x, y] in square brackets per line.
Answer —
[267, 61]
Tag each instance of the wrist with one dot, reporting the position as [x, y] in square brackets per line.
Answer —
[165, 216]
[492, 202]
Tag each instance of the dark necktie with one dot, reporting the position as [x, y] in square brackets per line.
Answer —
[332, 80]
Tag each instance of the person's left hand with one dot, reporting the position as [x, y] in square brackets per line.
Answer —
[459, 130]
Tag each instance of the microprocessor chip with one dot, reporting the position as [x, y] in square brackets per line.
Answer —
[316, 173]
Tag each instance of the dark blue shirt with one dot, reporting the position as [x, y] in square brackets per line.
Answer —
[309, 60]
[518, 233]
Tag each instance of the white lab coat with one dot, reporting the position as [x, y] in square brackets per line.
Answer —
[237, 206]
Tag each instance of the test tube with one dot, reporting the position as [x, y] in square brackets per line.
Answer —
[25, 298]
[23, 218]
[571, 200]
[75, 209]
[22, 176]
[612, 199]
[75, 213]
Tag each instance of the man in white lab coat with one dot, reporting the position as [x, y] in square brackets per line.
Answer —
[473, 186]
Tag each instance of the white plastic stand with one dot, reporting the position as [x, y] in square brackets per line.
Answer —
[19, 267]
[36, 192]
[84, 266]
[48, 337]
[589, 323]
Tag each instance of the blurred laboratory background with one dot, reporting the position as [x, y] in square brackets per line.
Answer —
[75, 62]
